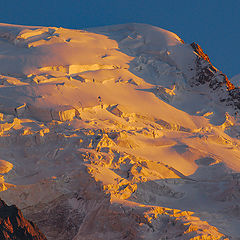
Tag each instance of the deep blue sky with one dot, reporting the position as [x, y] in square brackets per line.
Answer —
[214, 24]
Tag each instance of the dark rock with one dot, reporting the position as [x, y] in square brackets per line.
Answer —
[13, 226]
[207, 73]
[200, 52]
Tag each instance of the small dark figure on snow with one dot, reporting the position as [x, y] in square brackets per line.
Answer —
[100, 102]
[153, 134]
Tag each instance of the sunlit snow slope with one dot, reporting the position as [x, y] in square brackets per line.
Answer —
[120, 132]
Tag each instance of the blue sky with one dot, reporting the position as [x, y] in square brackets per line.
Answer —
[214, 24]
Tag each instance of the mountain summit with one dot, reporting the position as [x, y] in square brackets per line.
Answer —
[118, 132]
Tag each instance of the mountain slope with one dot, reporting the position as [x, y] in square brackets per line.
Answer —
[118, 132]
[14, 226]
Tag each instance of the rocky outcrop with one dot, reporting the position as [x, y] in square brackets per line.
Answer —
[197, 49]
[13, 226]
[235, 94]
[207, 73]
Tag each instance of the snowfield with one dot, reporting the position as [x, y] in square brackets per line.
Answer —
[118, 132]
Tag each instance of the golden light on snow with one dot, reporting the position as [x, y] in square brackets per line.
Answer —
[5, 166]
[103, 124]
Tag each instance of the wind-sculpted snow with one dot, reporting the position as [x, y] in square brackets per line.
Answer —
[119, 132]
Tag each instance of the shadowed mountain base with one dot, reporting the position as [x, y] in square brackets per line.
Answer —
[13, 226]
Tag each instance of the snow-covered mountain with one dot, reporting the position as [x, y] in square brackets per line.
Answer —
[118, 132]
